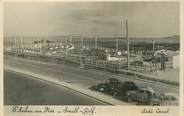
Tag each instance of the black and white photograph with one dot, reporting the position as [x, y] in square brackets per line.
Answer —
[92, 53]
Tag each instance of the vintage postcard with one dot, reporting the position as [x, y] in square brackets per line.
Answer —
[92, 58]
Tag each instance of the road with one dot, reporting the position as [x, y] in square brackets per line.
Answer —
[21, 90]
[82, 77]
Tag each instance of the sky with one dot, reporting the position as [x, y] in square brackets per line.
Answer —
[106, 19]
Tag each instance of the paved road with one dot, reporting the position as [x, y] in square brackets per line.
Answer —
[21, 90]
[81, 77]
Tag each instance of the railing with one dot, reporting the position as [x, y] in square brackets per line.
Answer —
[104, 65]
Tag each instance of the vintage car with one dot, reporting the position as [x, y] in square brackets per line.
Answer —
[169, 99]
[143, 96]
[115, 87]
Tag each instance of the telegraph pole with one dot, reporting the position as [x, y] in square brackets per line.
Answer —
[66, 52]
[153, 46]
[118, 55]
[117, 45]
[96, 42]
[155, 56]
[81, 52]
[15, 45]
[66, 42]
[21, 45]
[60, 45]
[82, 41]
[71, 40]
[128, 52]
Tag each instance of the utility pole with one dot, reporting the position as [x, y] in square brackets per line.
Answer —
[96, 42]
[153, 46]
[21, 45]
[118, 55]
[82, 41]
[117, 45]
[155, 56]
[61, 43]
[66, 52]
[128, 52]
[81, 58]
[60, 46]
[71, 40]
[15, 45]
[18, 45]
[81, 51]
[66, 42]
[38, 47]
[41, 45]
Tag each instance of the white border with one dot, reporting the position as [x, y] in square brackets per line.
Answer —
[103, 108]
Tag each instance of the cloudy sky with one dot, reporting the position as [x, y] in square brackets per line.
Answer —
[145, 19]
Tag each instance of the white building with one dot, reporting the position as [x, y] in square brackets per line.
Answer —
[173, 59]
[176, 61]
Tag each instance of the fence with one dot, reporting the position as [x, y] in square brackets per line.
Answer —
[78, 60]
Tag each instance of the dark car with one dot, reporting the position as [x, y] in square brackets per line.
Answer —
[124, 87]
[143, 96]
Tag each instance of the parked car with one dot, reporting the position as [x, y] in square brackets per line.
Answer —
[144, 96]
[169, 99]
[124, 87]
